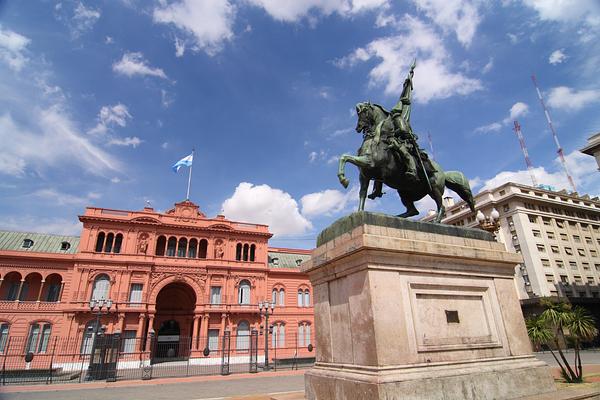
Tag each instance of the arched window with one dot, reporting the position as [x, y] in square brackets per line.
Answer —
[4, 327]
[303, 334]
[252, 252]
[243, 336]
[306, 298]
[101, 287]
[278, 338]
[118, 242]
[182, 247]
[109, 243]
[193, 248]
[300, 298]
[38, 337]
[203, 248]
[244, 292]
[238, 252]
[161, 243]
[281, 297]
[274, 296]
[100, 242]
[171, 245]
[87, 339]
[246, 247]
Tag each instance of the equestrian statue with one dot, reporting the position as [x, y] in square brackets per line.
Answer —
[390, 155]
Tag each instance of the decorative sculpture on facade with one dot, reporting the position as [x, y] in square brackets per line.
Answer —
[390, 154]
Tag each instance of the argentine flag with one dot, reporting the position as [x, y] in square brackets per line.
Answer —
[184, 162]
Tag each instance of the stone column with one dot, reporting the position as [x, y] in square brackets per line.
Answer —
[20, 289]
[195, 332]
[40, 291]
[140, 330]
[204, 330]
[121, 325]
[223, 322]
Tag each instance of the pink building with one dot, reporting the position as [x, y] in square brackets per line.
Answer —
[179, 275]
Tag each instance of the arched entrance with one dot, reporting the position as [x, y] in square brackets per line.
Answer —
[175, 305]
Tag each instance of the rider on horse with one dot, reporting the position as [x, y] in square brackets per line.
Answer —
[402, 139]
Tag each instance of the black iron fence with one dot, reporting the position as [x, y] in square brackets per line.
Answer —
[112, 357]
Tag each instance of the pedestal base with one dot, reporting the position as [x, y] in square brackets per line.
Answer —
[492, 379]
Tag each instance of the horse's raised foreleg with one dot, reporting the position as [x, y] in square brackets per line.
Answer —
[364, 188]
[359, 161]
[437, 195]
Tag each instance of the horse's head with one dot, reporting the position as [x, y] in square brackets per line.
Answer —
[365, 117]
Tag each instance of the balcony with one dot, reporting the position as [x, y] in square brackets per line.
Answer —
[12, 305]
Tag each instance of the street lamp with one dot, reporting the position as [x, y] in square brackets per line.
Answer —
[99, 307]
[490, 224]
[266, 309]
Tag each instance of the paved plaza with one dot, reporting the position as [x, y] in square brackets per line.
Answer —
[246, 386]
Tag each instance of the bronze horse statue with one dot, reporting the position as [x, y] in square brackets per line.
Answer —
[376, 161]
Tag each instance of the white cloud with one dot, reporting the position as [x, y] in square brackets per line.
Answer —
[567, 11]
[83, 19]
[207, 23]
[165, 98]
[493, 127]
[134, 64]
[582, 168]
[488, 67]
[28, 223]
[460, 16]
[572, 100]
[12, 49]
[52, 141]
[519, 109]
[56, 197]
[111, 115]
[326, 202]
[266, 205]
[115, 179]
[179, 47]
[295, 10]
[128, 141]
[557, 57]
[165, 145]
[433, 78]
[108, 40]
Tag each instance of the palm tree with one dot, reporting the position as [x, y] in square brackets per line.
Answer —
[581, 329]
[557, 316]
[539, 333]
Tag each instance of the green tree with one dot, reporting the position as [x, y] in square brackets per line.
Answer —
[558, 324]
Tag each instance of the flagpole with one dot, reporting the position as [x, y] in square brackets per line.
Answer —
[187, 197]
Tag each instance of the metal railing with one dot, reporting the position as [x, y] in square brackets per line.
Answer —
[111, 357]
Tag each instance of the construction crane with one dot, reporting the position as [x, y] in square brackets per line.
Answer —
[517, 130]
[560, 150]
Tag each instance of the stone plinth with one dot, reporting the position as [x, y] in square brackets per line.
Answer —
[410, 310]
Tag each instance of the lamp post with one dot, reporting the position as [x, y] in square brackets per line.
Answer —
[489, 224]
[266, 309]
[99, 307]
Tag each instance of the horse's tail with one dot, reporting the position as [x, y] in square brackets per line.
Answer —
[456, 181]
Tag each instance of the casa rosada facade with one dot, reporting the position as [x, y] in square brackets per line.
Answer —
[170, 276]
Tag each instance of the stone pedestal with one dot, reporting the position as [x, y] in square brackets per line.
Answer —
[410, 310]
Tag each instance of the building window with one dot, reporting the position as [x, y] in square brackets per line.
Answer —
[563, 236]
[546, 221]
[38, 337]
[100, 242]
[278, 338]
[550, 235]
[161, 243]
[13, 291]
[252, 252]
[536, 233]
[573, 264]
[171, 245]
[128, 342]
[589, 240]
[101, 287]
[281, 297]
[53, 292]
[581, 252]
[243, 336]
[303, 334]
[529, 206]
[213, 339]
[135, 295]
[238, 252]
[275, 261]
[64, 246]
[593, 253]
[532, 219]
[505, 208]
[576, 239]
[545, 262]
[564, 279]
[27, 243]
[182, 247]
[246, 249]
[569, 251]
[560, 223]
[108, 245]
[541, 248]
[118, 243]
[193, 248]
[203, 250]
[559, 264]
[554, 249]
[3, 336]
[274, 296]
[215, 295]
[585, 265]
[244, 292]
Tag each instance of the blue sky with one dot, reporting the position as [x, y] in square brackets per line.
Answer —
[99, 99]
